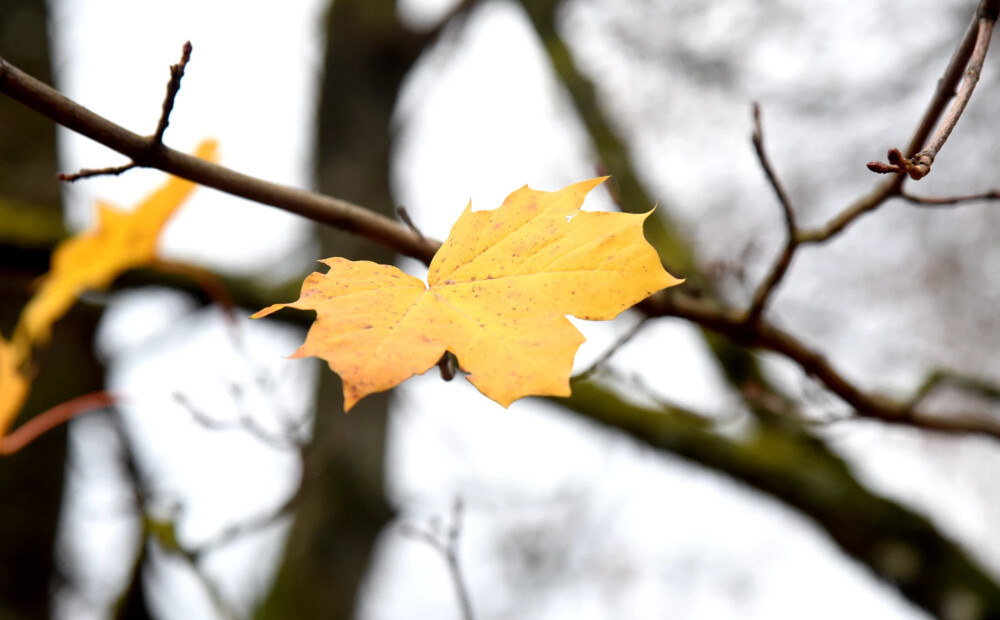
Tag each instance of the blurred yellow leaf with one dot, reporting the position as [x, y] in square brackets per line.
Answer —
[118, 241]
[13, 384]
[500, 289]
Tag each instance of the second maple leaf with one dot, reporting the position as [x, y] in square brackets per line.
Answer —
[498, 293]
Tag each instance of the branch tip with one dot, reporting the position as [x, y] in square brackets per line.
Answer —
[173, 87]
[966, 65]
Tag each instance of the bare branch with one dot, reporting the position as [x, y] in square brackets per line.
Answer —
[331, 211]
[173, 87]
[780, 268]
[918, 165]
[762, 335]
[866, 204]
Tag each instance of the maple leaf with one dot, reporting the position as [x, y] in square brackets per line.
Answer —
[13, 384]
[499, 291]
[91, 260]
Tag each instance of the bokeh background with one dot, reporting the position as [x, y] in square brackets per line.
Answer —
[229, 483]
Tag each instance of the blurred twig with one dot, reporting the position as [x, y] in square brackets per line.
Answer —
[626, 338]
[942, 378]
[446, 543]
[244, 422]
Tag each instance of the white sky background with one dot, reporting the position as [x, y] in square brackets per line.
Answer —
[480, 117]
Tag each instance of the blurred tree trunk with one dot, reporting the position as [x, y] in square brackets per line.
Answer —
[32, 482]
[342, 507]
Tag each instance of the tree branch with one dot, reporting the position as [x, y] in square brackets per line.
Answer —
[971, 53]
[866, 204]
[944, 92]
[146, 153]
[762, 335]
[173, 87]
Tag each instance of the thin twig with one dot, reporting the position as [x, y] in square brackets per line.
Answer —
[602, 361]
[780, 267]
[51, 418]
[918, 165]
[447, 546]
[173, 87]
[85, 173]
[244, 422]
[866, 204]
[240, 530]
[949, 201]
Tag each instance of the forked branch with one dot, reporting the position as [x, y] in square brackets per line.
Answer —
[173, 87]
[143, 152]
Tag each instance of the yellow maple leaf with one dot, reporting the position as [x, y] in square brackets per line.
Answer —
[13, 385]
[500, 289]
[118, 241]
